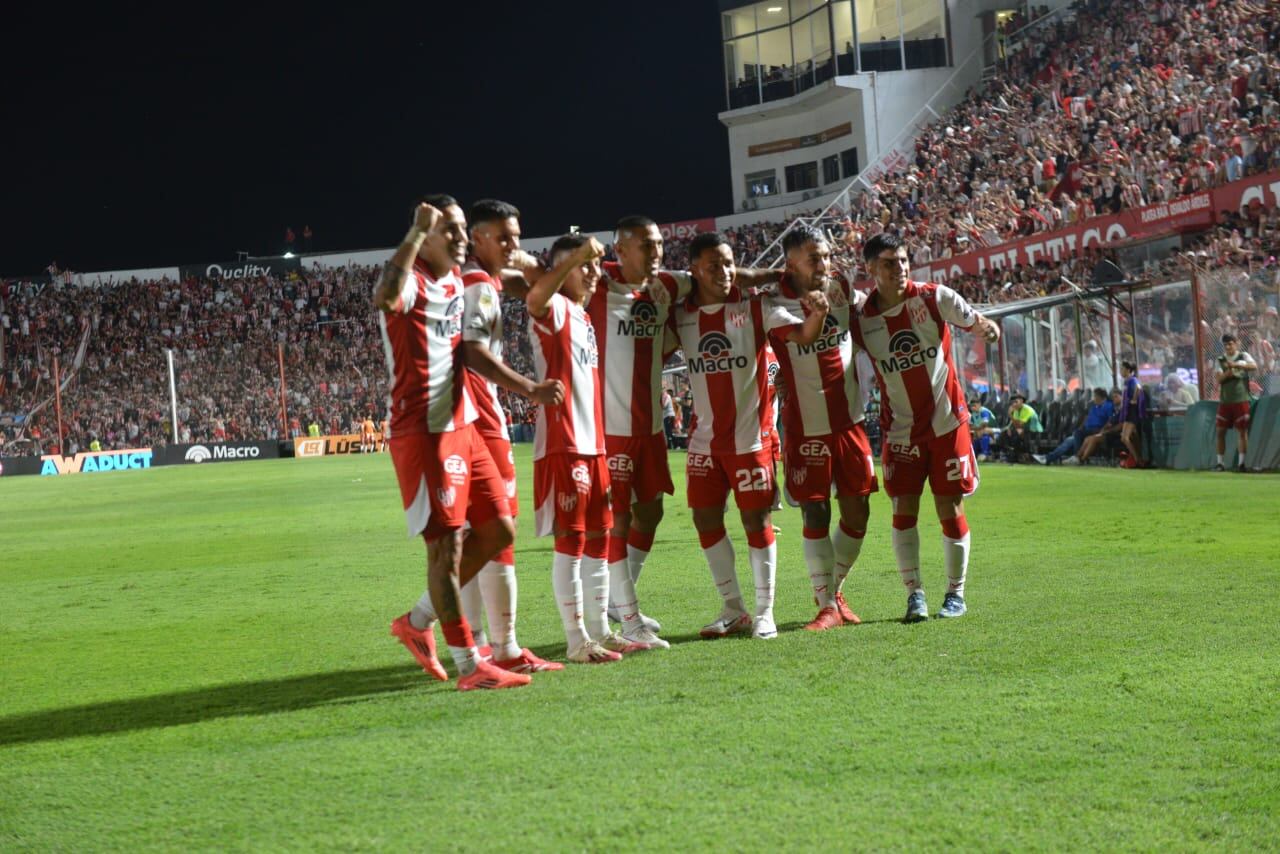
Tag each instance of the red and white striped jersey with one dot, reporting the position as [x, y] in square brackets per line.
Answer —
[482, 324]
[629, 324]
[910, 346]
[724, 348]
[564, 348]
[422, 339]
[821, 378]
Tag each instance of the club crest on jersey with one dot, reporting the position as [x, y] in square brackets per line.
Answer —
[567, 501]
[737, 319]
[589, 355]
[644, 321]
[657, 292]
[450, 324]
[715, 355]
[832, 337]
[919, 314]
[798, 474]
[835, 296]
[446, 497]
[905, 352]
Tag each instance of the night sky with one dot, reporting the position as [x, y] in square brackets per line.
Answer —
[135, 139]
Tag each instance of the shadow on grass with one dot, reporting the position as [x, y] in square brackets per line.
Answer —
[219, 701]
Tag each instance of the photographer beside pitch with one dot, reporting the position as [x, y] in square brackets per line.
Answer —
[903, 326]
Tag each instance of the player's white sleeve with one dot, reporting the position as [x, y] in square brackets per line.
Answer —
[684, 284]
[408, 293]
[557, 312]
[780, 312]
[479, 310]
[954, 308]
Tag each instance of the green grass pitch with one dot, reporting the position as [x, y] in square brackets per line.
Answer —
[198, 657]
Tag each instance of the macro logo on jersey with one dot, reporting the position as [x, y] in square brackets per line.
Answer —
[643, 322]
[774, 367]
[831, 337]
[905, 352]
[451, 324]
[589, 356]
[715, 355]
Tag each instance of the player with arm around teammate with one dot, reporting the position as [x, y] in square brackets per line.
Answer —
[723, 338]
[445, 473]
[905, 328]
[571, 480]
[629, 311]
[825, 443]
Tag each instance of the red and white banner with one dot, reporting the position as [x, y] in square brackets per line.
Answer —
[686, 229]
[1193, 212]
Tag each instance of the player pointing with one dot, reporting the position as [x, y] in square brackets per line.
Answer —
[924, 421]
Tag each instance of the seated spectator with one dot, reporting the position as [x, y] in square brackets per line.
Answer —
[1108, 437]
[982, 427]
[1099, 414]
[1015, 442]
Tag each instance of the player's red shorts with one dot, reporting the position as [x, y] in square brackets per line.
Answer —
[638, 469]
[505, 460]
[447, 479]
[1233, 415]
[775, 446]
[570, 493]
[750, 476]
[947, 462]
[842, 458]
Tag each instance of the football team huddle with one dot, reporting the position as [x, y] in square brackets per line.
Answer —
[753, 340]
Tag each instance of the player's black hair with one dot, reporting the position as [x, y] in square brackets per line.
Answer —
[882, 241]
[704, 241]
[1227, 338]
[566, 243]
[800, 235]
[1100, 392]
[491, 210]
[439, 201]
[633, 221]
[1129, 366]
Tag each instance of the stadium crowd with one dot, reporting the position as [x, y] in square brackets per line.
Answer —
[1112, 106]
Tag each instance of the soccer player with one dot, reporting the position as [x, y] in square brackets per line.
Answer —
[629, 312]
[495, 244]
[445, 473]
[822, 416]
[1233, 398]
[903, 326]
[368, 442]
[570, 477]
[723, 338]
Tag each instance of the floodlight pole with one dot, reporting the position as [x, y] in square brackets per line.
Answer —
[57, 402]
[173, 399]
[284, 406]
